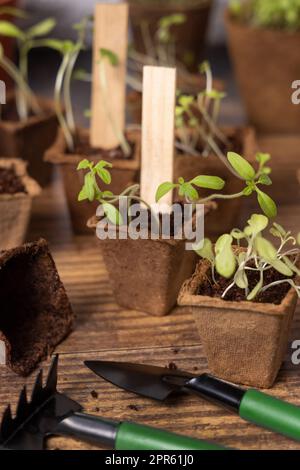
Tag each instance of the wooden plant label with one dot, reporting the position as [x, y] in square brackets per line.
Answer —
[159, 91]
[110, 32]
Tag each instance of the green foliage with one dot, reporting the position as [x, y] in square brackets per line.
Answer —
[258, 254]
[279, 14]
[252, 179]
[165, 24]
[112, 58]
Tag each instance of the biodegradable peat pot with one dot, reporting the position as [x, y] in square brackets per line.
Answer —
[29, 139]
[245, 342]
[146, 275]
[36, 314]
[188, 166]
[15, 209]
[190, 36]
[266, 64]
[124, 172]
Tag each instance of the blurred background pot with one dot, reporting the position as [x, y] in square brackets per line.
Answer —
[190, 36]
[7, 43]
[266, 63]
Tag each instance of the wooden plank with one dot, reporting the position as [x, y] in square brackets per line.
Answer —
[110, 32]
[159, 87]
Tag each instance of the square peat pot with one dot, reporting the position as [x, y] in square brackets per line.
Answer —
[35, 313]
[125, 171]
[243, 141]
[147, 274]
[245, 342]
[15, 209]
[30, 138]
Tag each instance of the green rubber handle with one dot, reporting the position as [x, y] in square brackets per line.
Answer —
[271, 413]
[132, 436]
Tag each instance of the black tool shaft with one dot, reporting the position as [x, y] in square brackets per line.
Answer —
[216, 390]
[89, 428]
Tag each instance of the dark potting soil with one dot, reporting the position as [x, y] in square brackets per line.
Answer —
[82, 147]
[10, 182]
[273, 295]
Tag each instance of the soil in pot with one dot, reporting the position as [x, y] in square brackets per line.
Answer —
[125, 171]
[190, 36]
[245, 342]
[266, 64]
[17, 190]
[35, 311]
[146, 274]
[29, 139]
[243, 141]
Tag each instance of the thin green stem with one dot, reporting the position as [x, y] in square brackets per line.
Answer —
[57, 99]
[212, 197]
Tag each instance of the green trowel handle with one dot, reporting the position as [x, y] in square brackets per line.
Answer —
[131, 436]
[271, 413]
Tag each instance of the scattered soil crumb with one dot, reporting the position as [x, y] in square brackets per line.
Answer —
[94, 394]
[172, 366]
[133, 407]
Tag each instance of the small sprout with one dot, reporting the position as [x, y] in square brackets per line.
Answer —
[258, 255]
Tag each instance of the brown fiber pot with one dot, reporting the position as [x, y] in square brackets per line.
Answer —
[190, 36]
[29, 139]
[124, 173]
[15, 209]
[146, 275]
[6, 42]
[188, 166]
[266, 64]
[245, 342]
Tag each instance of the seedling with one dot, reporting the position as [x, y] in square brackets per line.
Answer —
[69, 51]
[259, 255]
[100, 172]
[279, 14]
[253, 180]
[26, 40]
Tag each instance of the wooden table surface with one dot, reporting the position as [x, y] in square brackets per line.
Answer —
[105, 331]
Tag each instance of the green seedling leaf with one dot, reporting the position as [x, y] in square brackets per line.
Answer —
[112, 213]
[89, 184]
[81, 74]
[10, 30]
[110, 56]
[210, 182]
[164, 189]
[185, 101]
[265, 179]
[206, 250]
[241, 166]
[248, 190]
[225, 258]
[215, 94]
[266, 170]
[190, 192]
[104, 175]
[266, 203]
[263, 158]
[265, 249]
[256, 224]
[84, 164]
[280, 229]
[241, 279]
[103, 164]
[291, 265]
[281, 267]
[204, 67]
[83, 195]
[256, 289]
[237, 234]
[42, 28]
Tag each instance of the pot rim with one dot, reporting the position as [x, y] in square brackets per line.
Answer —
[231, 22]
[32, 187]
[187, 297]
[47, 106]
[57, 152]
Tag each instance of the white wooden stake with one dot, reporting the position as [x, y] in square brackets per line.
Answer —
[159, 90]
[110, 32]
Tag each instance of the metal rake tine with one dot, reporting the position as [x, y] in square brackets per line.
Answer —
[52, 376]
[37, 388]
[22, 407]
[6, 423]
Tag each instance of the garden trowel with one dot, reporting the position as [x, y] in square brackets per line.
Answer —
[52, 413]
[159, 383]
